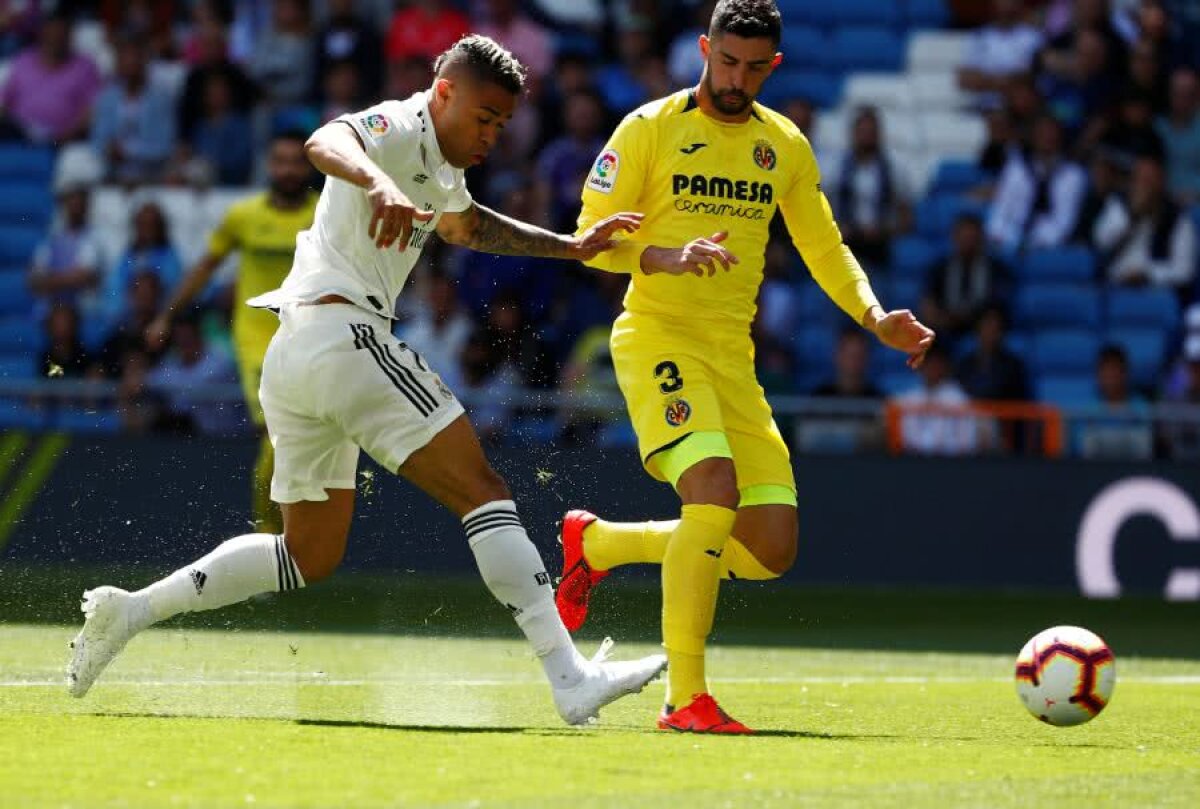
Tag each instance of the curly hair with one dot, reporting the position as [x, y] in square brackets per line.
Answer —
[485, 59]
[747, 18]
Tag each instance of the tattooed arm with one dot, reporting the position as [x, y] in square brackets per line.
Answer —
[480, 228]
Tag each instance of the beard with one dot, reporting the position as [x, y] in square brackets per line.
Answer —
[728, 101]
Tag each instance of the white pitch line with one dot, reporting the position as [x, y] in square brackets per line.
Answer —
[1181, 679]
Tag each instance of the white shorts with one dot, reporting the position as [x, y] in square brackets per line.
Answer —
[335, 379]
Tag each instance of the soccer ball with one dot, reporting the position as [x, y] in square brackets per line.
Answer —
[1065, 675]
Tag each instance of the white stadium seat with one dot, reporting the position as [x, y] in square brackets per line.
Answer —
[938, 91]
[883, 90]
[936, 51]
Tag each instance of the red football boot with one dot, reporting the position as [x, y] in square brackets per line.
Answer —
[578, 577]
[702, 715]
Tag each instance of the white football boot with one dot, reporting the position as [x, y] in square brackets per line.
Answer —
[112, 617]
[605, 682]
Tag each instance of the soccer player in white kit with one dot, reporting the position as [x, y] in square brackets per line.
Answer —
[335, 380]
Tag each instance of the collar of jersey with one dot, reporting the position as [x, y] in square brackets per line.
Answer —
[431, 153]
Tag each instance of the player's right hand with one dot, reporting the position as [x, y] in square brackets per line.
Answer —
[392, 215]
[157, 332]
[698, 257]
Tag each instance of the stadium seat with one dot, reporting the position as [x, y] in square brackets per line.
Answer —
[814, 346]
[823, 90]
[17, 366]
[936, 214]
[956, 177]
[17, 243]
[813, 305]
[887, 91]
[804, 46]
[954, 134]
[1041, 306]
[1066, 390]
[865, 12]
[1158, 308]
[19, 334]
[895, 382]
[912, 256]
[16, 414]
[1064, 351]
[866, 48]
[88, 422]
[904, 293]
[14, 294]
[926, 13]
[26, 203]
[938, 92]
[618, 435]
[936, 51]
[1064, 265]
[27, 163]
[1146, 349]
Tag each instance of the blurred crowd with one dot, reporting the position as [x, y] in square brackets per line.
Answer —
[1093, 114]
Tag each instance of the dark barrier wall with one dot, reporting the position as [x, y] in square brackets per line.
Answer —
[1099, 528]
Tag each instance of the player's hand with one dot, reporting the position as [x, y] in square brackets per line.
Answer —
[157, 332]
[599, 237]
[902, 331]
[699, 257]
[392, 215]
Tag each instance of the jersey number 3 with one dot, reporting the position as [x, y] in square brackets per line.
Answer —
[668, 374]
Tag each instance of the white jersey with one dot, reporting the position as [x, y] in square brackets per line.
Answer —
[337, 256]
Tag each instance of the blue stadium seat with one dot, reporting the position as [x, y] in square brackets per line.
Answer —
[912, 256]
[17, 366]
[18, 415]
[937, 212]
[1146, 349]
[1040, 306]
[807, 12]
[894, 382]
[903, 293]
[31, 163]
[14, 294]
[823, 90]
[956, 176]
[29, 204]
[1065, 351]
[618, 435]
[88, 422]
[1063, 265]
[865, 12]
[927, 14]
[804, 46]
[1158, 308]
[813, 306]
[1069, 390]
[814, 347]
[19, 334]
[17, 243]
[867, 48]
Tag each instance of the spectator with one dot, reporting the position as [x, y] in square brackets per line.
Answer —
[991, 371]
[49, 91]
[1024, 105]
[149, 253]
[1132, 135]
[67, 264]
[148, 21]
[1000, 50]
[223, 136]
[209, 31]
[775, 323]
[930, 423]
[1060, 57]
[625, 84]
[191, 364]
[64, 355]
[1155, 29]
[126, 350]
[134, 125]
[1149, 239]
[1079, 95]
[564, 163]
[1104, 189]
[347, 37]
[572, 73]
[851, 368]
[589, 369]
[212, 59]
[423, 29]
[488, 385]
[867, 194]
[1147, 77]
[1182, 438]
[282, 63]
[1038, 194]
[1002, 139]
[408, 76]
[341, 92]
[518, 348]
[439, 330]
[19, 23]
[1120, 429]
[684, 61]
[965, 282]
[1180, 132]
[529, 41]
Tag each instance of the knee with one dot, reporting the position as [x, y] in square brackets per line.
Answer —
[316, 557]
[712, 481]
[778, 553]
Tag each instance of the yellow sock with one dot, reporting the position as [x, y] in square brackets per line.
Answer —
[612, 544]
[691, 576]
[267, 518]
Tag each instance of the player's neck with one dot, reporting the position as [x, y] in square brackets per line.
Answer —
[285, 202]
[705, 103]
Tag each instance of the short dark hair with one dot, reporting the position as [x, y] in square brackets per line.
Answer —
[1111, 352]
[290, 134]
[485, 59]
[747, 18]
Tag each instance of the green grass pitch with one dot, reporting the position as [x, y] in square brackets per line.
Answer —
[863, 699]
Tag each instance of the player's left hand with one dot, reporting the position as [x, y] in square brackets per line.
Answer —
[599, 237]
[902, 331]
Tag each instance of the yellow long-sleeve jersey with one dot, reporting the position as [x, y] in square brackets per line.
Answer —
[693, 176]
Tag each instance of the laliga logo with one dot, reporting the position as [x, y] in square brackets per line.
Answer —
[1103, 519]
[605, 164]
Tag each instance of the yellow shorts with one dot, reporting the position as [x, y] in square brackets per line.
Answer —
[251, 336]
[685, 378]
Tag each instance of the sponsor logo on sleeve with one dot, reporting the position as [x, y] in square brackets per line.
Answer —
[604, 173]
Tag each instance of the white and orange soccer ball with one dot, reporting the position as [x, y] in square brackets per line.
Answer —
[1065, 675]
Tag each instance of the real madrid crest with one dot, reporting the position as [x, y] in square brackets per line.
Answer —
[764, 155]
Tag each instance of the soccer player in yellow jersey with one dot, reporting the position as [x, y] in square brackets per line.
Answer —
[262, 229]
[709, 160]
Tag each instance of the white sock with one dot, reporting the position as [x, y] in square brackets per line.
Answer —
[513, 571]
[237, 569]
